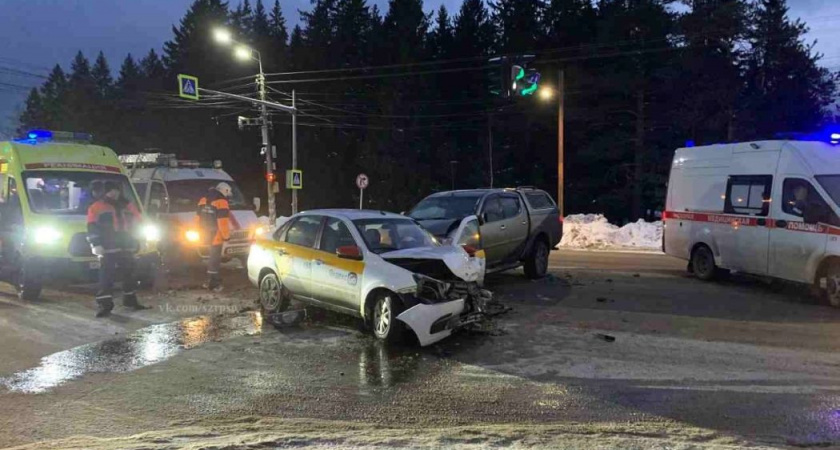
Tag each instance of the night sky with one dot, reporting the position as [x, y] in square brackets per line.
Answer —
[36, 34]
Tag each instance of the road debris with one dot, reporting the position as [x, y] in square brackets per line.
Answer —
[605, 337]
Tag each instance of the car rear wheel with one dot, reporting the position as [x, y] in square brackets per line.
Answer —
[385, 324]
[536, 266]
[273, 297]
[703, 263]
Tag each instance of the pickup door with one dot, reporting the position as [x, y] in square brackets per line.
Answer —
[505, 228]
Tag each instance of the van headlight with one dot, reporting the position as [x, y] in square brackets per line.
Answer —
[46, 235]
[151, 233]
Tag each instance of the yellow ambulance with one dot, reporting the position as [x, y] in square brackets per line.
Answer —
[45, 181]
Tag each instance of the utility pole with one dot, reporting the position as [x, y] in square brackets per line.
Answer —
[561, 93]
[266, 142]
[490, 144]
[294, 151]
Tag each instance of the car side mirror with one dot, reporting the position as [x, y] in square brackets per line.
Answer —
[257, 203]
[352, 252]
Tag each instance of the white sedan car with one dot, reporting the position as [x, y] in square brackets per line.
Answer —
[381, 267]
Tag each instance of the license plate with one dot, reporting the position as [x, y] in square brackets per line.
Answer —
[236, 251]
[95, 264]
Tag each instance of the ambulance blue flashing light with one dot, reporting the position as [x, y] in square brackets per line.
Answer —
[39, 134]
[689, 144]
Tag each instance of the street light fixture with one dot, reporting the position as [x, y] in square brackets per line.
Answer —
[243, 52]
[222, 35]
[546, 93]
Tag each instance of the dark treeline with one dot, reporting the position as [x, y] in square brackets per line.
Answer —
[400, 94]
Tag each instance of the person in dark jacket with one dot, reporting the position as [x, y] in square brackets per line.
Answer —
[112, 223]
[213, 217]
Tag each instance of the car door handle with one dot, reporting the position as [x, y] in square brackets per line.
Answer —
[781, 223]
[524, 222]
[319, 261]
[282, 252]
[503, 227]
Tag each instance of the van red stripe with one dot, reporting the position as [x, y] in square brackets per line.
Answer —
[742, 221]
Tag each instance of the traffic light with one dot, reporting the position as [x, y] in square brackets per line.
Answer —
[510, 76]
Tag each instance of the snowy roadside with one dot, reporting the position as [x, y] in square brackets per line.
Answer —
[255, 432]
[594, 232]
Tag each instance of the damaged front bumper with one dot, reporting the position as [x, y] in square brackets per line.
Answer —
[441, 308]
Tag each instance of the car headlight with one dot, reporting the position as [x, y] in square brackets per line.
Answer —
[260, 231]
[192, 236]
[151, 233]
[46, 235]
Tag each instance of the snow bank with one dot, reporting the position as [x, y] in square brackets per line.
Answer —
[278, 222]
[594, 231]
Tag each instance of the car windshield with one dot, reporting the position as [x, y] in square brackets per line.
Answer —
[445, 207]
[185, 194]
[388, 234]
[831, 184]
[68, 192]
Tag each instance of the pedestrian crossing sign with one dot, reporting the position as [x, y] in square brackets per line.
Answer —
[188, 87]
[294, 179]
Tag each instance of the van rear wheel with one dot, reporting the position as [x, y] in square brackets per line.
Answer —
[832, 285]
[703, 263]
[28, 282]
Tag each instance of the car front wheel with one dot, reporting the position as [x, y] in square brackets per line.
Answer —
[385, 324]
[273, 297]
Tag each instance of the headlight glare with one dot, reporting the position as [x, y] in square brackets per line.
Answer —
[151, 233]
[46, 235]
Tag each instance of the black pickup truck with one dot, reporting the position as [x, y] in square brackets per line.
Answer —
[514, 227]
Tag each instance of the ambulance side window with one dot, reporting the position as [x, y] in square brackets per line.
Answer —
[748, 194]
[157, 199]
[799, 198]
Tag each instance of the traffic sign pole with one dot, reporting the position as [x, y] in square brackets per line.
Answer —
[362, 183]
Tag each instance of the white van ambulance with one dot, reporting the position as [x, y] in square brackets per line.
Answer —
[170, 189]
[766, 208]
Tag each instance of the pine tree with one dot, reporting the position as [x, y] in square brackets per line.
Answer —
[518, 24]
[569, 22]
[472, 30]
[297, 49]
[786, 89]
[101, 74]
[405, 28]
[441, 37]
[352, 32]
[130, 75]
[34, 115]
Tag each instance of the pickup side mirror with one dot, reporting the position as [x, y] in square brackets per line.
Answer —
[352, 252]
[257, 203]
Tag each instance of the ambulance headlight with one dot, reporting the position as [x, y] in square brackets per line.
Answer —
[260, 231]
[46, 236]
[151, 233]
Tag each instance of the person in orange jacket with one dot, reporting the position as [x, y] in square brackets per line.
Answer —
[111, 224]
[213, 217]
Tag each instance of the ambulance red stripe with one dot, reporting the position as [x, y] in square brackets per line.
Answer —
[742, 221]
[70, 165]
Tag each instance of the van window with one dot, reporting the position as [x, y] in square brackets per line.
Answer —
[800, 199]
[157, 198]
[748, 194]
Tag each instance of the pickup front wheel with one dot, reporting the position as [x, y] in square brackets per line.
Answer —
[536, 266]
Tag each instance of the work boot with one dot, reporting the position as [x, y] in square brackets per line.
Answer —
[130, 301]
[104, 305]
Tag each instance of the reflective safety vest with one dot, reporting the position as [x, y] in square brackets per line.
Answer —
[213, 217]
[112, 225]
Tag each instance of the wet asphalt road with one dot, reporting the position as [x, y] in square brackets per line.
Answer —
[608, 338]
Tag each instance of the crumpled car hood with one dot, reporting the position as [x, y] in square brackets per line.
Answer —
[427, 261]
[439, 227]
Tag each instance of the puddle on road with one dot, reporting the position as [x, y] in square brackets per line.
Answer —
[133, 351]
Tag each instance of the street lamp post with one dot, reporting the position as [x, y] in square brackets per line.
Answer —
[244, 52]
[547, 94]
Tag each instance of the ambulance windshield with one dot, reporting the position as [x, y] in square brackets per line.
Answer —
[68, 193]
[185, 194]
